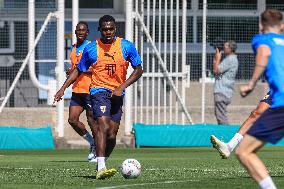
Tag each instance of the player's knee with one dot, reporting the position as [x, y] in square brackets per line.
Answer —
[91, 122]
[102, 128]
[73, 121]
[112, 135]
[241, 154]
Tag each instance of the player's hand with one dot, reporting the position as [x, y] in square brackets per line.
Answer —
[58, 95]
[68, 71]
[245, 90]
[218, 54]
[117, 92]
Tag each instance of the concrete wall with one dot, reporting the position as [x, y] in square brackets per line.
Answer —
[43, 116]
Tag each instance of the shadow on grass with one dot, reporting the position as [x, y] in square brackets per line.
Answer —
[86, 177]
[66, 161]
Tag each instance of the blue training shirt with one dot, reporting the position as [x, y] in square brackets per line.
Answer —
[90, 57]
[81, 47]
[275, 67]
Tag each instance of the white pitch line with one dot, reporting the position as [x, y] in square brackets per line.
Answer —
[143, 184]
[20, 168]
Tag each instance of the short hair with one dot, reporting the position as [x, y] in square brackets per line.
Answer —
[84, 23]
[271, 17]
[232, 45]
[106, 18]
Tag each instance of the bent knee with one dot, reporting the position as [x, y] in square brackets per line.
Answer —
[73, 121]
[112, 134]
[241, 154]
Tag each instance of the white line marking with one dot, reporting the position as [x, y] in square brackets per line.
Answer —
[143, 184]
[17, 168]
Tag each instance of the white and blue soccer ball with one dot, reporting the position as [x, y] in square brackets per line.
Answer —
[130, 168]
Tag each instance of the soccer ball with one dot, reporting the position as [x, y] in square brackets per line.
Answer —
[130, 168]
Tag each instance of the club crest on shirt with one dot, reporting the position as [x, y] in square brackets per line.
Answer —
[103, 108]
[266, 97]
[111, 68]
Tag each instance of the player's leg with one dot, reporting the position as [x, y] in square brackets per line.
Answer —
[101, 138]
[255, 114]
[269, 127]
[226, 148]
[101, 110]
[77, 106]
[111, 137]
[246, 154]
[92, 123]
[116, 114]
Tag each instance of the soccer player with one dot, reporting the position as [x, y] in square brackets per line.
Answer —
[108, 58]
[269, 127]
[225, 149]
[80, 99]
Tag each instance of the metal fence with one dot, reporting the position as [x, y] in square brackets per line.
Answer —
[14, 15]
[155, 100]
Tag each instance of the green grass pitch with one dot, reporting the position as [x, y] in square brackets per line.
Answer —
[161, 168]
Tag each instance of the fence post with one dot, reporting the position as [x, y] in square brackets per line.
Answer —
[60, 65]
[75, 18]
[203, 60]
[32, 73]
[129, 90]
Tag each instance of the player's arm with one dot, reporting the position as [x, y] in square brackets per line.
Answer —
[71, 79]
[216, 61]
[262, 55]
[83, 66]
[89, 71]
[135, 75]
[71, 68]
[131, 55]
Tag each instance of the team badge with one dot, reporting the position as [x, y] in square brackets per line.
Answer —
[266, 97]
[103, 109]
[111, 68]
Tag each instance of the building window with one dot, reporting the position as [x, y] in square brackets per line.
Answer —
[87, 4]
[240, 29]
[275, 4]
[166, 5]
[230, 4]
[6, 37]
[11, 4]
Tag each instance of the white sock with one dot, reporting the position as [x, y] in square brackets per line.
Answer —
[101, 163]
[235, 141]
[267, 183]
[88, 137]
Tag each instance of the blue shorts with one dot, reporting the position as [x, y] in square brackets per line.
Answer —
[269, 127]
[267, 99]
[105, 105]
[81, 99]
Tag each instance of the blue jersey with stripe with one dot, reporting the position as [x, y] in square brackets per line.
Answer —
[275, 67]
[90, 57]
[81, 47]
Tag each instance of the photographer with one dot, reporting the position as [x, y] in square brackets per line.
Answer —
[225, 72]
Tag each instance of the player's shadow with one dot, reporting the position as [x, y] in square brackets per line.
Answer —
[64, 161]
[86, 177]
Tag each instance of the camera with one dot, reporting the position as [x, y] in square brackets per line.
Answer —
[218, 43]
